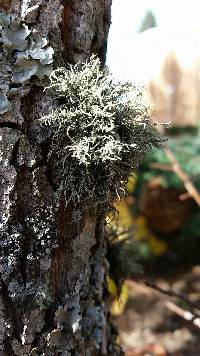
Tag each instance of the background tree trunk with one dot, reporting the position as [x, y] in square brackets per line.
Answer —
[52, 260]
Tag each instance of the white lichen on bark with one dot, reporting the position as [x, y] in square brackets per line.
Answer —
[52, 263]
[8, 140]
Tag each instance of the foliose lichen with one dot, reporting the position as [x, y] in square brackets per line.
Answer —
[23, 54]
[101, 130]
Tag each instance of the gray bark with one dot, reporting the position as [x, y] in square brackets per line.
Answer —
[52, 260]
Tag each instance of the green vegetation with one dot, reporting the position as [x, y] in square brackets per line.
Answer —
[158, 229]
[101, 131]
[149, 21]
[158, 191]
[186, 148]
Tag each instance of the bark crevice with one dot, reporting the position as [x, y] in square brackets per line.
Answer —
[11, 125]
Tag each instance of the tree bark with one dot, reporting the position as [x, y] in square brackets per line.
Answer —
[52, 260]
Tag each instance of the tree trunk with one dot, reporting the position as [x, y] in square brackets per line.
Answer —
[52, 260]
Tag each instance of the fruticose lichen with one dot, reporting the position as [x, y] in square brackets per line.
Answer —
[101, 130]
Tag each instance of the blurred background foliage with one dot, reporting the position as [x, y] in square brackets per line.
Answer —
[154, 239]
[149, 21]
[157, 227]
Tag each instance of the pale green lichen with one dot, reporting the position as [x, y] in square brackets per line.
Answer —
[23, 54]
[101, 130]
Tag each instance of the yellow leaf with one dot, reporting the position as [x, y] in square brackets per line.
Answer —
[119, 303]
[130, 185]
[142, 232]
[157, 246]
[125, 216]
[112, 287]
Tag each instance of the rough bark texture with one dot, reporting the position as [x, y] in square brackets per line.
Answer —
[52, 261]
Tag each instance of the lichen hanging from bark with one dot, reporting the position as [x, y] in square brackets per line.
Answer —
[52, 263]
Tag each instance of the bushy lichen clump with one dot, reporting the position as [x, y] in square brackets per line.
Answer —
[101, 130]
